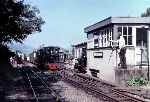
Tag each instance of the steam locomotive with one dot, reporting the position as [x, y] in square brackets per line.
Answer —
[50, 58]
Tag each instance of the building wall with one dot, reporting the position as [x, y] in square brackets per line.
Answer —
[90, 43]
[133, 52]
[122, 76]
[105, 67]
[78, 52]
[107, 72]
[102, 35]
[78, 49]
[107, 64]
[130, 56]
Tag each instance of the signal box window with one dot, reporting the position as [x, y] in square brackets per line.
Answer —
[96, 43]
[127, 34]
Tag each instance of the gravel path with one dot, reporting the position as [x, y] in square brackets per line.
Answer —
[73, 94]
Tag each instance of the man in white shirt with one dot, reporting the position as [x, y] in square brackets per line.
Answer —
[121, 42]
[122, 50]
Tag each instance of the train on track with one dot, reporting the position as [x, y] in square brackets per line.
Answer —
[49, 58]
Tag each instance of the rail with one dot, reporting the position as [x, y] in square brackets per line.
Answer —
[36, 84]
[105, 91]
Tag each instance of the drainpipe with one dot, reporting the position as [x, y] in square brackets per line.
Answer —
[141, 51]
[148, 68]
[148, 50]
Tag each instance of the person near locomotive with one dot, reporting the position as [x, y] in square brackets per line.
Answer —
[75, 64]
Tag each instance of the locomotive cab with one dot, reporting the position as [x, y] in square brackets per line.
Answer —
[49, 58]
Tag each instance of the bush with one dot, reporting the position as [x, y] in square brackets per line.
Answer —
[137, 81]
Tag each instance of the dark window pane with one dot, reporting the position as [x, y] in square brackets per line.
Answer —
[96, 33]
[124, 30]
[144, 36]
[102, 42]
[141, 35]
[125, 38]
[90, 36]
[107, 31]
[105, 39]
[95, 41]
[130, 31]
[120, 29]
[138, 37]
[112, 33]
[107, 36]
[129, 40]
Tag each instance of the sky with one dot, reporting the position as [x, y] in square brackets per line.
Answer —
[65, 20]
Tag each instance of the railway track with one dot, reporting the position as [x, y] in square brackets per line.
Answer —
[35, 86]
[107, 92]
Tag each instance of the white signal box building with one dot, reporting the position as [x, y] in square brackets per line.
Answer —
[100, 56]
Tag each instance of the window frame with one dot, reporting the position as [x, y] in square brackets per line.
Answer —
[96, 43]
[127, 35]
[105, 36]
[90, 35]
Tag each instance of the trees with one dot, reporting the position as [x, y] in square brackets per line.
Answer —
[18, 20]
[146, 13]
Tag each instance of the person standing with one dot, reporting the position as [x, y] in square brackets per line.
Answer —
[75, 64]
[122, 50]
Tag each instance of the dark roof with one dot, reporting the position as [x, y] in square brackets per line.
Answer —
[118, 20]
[80, 44]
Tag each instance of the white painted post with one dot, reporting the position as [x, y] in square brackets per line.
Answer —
[134, 43]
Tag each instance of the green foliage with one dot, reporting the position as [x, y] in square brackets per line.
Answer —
[146, 13]
[137, 81]
[5, 54]
[18, 20]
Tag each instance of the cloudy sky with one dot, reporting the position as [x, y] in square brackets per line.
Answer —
[66, 19]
